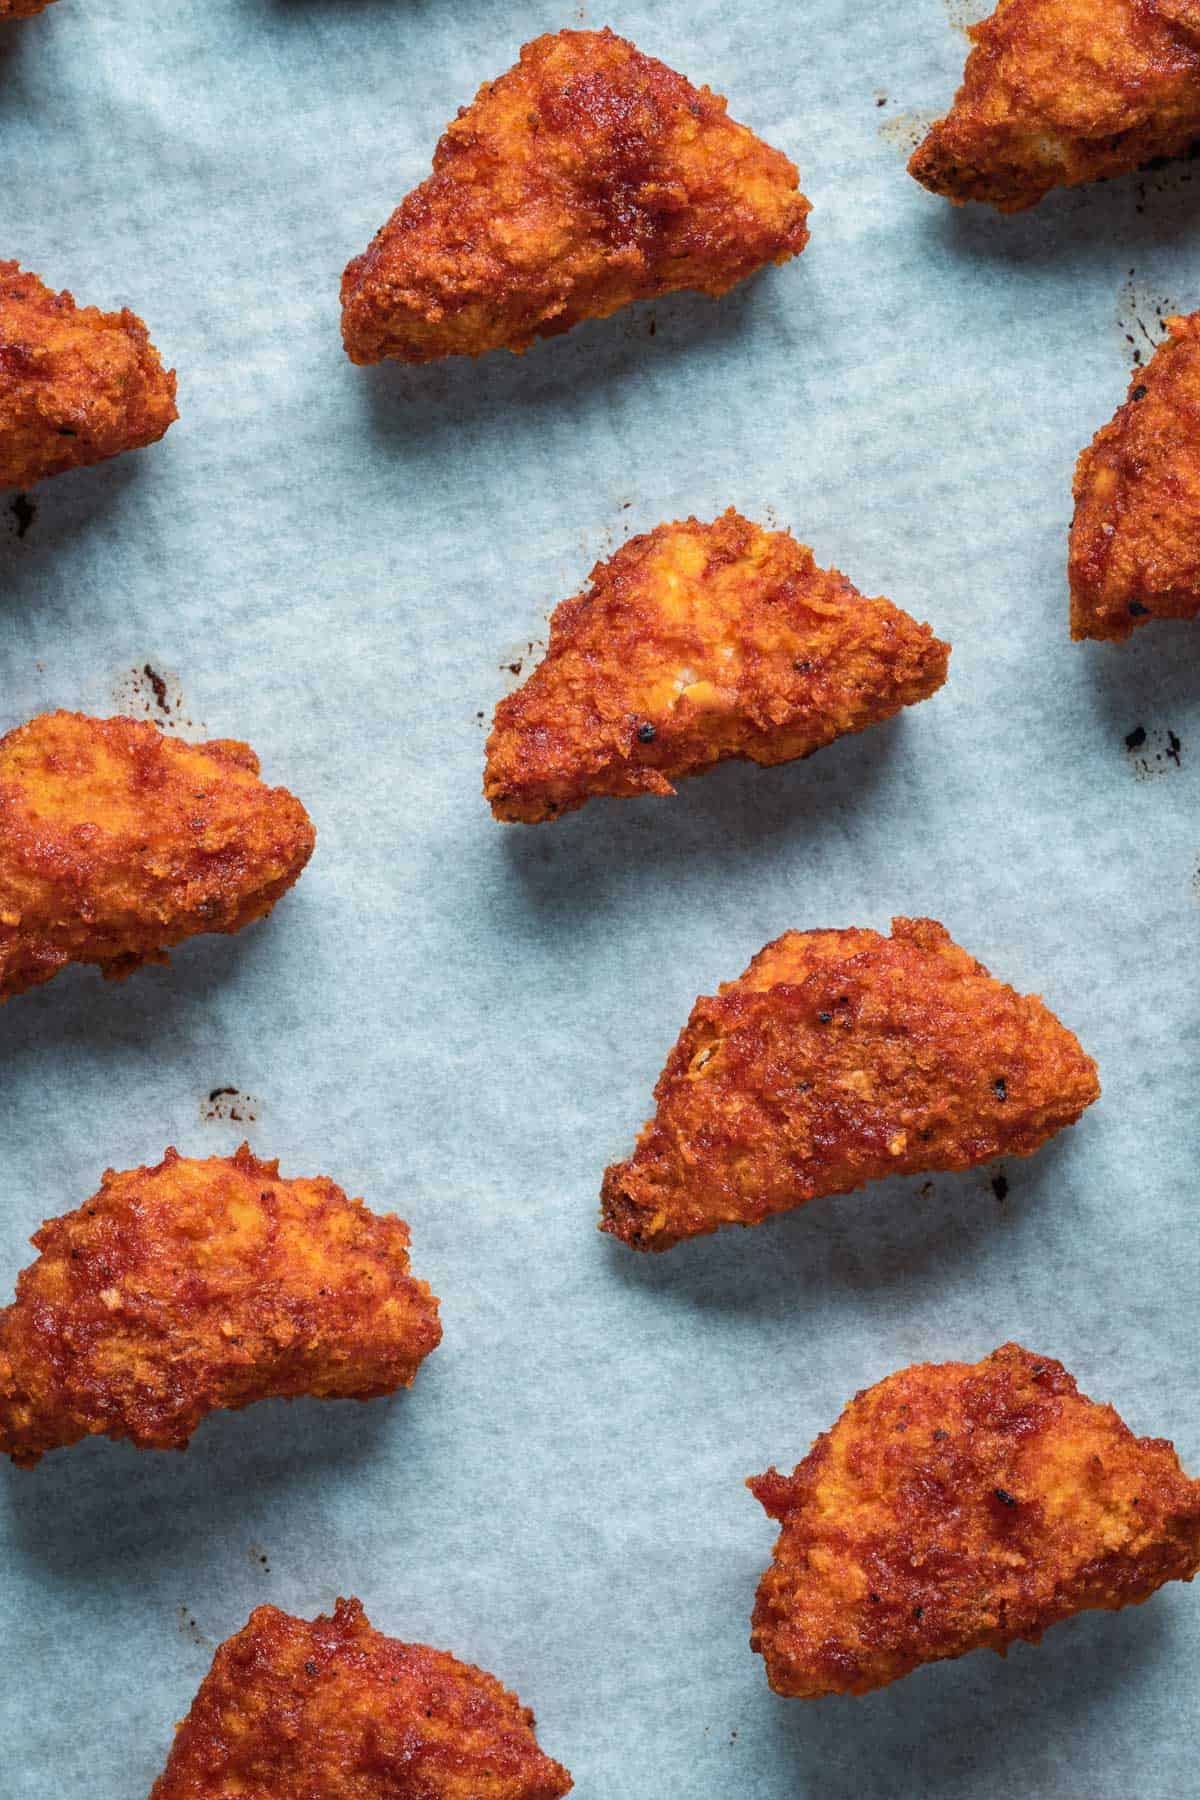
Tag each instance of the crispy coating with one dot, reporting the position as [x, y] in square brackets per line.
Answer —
[117, 841]
[1135, 538]
[77, 385]
[21, 9]
[838, 1058]
[957, 1507]
[202, 1284]
[336, 1711]
[695, 643]
[584, 178]
[1057, 92]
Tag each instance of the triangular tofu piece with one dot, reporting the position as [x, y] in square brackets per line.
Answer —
[695, 643]
[77, 385]
[1135, 538]
[586, 177]
[118, 841]
[957, 1507]
[1057, 92]
[199, 1284]
[334, 1709]
[838, 1058]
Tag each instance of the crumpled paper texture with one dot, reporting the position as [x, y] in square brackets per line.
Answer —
[463, 1022]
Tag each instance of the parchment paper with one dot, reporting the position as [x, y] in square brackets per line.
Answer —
[463, 1022]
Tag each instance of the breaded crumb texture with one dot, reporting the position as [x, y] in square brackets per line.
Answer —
[1058, 92]
[842, 1057]
[118, 841]
[957, 1507]
[204, 1284]
[1135, 537]
[692, 644]
[77, 385]
[586, 177]
[333, 1710]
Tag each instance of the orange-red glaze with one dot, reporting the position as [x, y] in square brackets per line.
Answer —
[22, 9]
[117, 841]
[957, 1507]
[336, 1711]
[204, 1284]
[1135, 538]
[695, 643]
[77, 385]
[1057, 92]
[838, 1058]
[585, 177]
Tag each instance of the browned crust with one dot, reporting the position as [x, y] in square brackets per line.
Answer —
[1135, 537]
[205, 1284]
[117, 842]
[838, 1058]
[692, 644]
[958, 1507]
[77, 385]
[334, 1708]
[1058, 92]
[585, 177]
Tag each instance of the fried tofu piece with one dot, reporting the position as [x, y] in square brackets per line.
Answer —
[199, 1285]
[117, 842]
[293, 1711]
[1058, 92]
[1135, 538]
[841, 1057]
[77, 385]
[695, 643]
[958, 1507]
[584, 178]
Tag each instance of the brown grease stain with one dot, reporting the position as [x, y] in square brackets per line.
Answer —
[146, 691]
[1142, 313]
[515, 661]
[962, 14]
[230, 1106]
[1154, 752]
[905, 130]
[190, 1629]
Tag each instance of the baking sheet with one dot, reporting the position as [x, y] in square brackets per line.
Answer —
[463, 1022]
